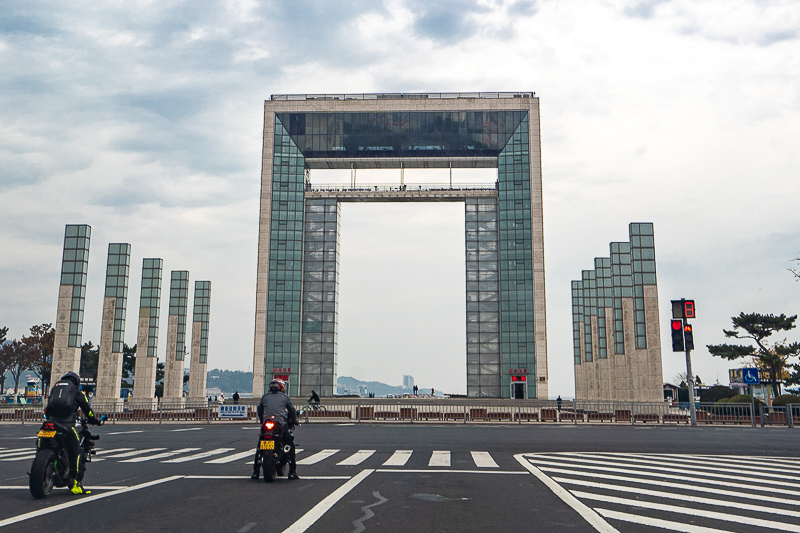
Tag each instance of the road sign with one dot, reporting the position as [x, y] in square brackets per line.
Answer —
[750, 376]
[233, 411]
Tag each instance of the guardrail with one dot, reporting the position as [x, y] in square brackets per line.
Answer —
[434, 410]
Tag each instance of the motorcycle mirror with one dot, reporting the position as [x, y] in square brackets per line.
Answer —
[103, 418]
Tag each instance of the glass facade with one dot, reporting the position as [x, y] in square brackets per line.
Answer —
[150, 301]
[301, 308]
[178, 305]
[74, 270]
[201, 314]
[401, 134]
[483, 297]
[117, 274]
[320, 295]
[516, 259]
[630, 267]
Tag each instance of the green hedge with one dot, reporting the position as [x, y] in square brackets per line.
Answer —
[785, 399]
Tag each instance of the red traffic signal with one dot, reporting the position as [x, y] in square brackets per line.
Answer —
[677, 336]
[688, 309]
[688, 336]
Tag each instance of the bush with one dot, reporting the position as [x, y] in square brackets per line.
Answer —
[786, 399]
[715, 393]
[745, 398]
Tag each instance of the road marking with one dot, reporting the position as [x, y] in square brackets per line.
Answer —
[656, 522]
[112, 450]
[484, 460]
[186, 429]
[231, 458]
[134, 453]
[692, 486]
[80, 501]
[422, 471]
[159, 455]
[398, 458]
[440, 458]
[679, 496]
[316, 512]
[317, 457]
[15, 451]
[357, 458]
[594, 519]
[201, 455]
[21, 457]
[125, 432]
[782, 526]
[93, 487]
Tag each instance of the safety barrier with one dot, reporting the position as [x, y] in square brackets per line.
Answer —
[441, 410]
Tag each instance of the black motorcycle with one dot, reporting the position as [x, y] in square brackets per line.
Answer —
[272, 453]
[50, 467]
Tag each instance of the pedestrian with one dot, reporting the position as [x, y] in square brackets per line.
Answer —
[558, 403]
[432, 392]
[236, 397]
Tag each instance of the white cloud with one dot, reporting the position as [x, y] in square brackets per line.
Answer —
[144, 120]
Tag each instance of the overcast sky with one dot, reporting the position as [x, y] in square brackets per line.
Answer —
[144, 120]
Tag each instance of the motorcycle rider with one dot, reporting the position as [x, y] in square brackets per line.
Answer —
[62, 407]
[276, 403]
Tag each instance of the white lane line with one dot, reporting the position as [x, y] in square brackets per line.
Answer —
[686, 487]
[317, 457]
[125, 432]
[162, 455]
[201, 455]
[727, 517]
[231, 458]
[80, 501]
[316, 512]
[398, 458]
[357, 458]
[134, 453]
[186, 429]
[657, 522]
[421, 471]
[484, 460]
[674, 496]
[440, 458]
[594, 519]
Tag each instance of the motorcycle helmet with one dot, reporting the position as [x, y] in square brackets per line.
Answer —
[73, 377]
[277, 385]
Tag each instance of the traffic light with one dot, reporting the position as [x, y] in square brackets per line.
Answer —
[677, 335]
[689, 310]
[519, 378]
[688, 336]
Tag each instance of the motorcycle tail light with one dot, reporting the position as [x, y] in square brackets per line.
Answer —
[48, 426]
[269, 425]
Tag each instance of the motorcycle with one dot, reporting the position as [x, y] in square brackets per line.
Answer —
[272, 453]
[50, 467]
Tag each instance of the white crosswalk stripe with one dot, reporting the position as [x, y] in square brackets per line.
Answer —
[134, 453]
[357, 458]
[693, 493]
[159, 455]
[440, 458]
[232, 458]
[317, 457]
[398, 458]
[201, 455]
[483, 460]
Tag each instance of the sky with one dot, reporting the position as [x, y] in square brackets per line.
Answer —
[144, 120]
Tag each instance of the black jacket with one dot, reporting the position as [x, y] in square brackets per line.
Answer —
[66, 386]
[279, 405]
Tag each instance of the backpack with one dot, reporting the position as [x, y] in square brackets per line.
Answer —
[62, 399]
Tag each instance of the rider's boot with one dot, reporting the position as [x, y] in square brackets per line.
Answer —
[256, 466]
[77, 488]
[293, 471]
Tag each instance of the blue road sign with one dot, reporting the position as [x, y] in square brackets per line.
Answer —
[750, 376]
[233, 411]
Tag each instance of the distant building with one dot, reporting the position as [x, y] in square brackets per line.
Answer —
[616, 340]
[408, 382]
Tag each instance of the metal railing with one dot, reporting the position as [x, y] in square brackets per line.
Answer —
[402, 96]
[409, 187]
[436, 410]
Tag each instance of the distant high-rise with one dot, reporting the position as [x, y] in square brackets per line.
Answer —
[408, 382]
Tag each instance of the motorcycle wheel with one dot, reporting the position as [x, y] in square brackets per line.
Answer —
[43, 474]
[268, 466]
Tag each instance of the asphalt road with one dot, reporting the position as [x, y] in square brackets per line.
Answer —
[420, 477]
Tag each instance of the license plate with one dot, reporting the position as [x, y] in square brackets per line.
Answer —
[266, 445]
[46, 434]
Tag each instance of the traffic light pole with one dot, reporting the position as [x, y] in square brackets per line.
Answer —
[690, 379]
